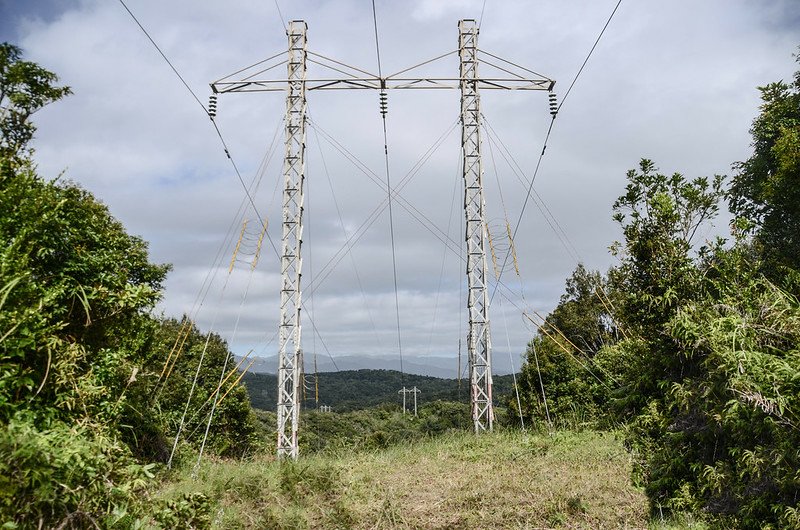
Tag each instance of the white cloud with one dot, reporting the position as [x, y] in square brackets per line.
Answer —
[672, 81]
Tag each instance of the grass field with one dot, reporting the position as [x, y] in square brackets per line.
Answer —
[501, 480]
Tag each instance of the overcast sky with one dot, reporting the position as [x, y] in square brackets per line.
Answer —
[670, 81]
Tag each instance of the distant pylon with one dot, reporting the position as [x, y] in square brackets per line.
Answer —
[405, 391]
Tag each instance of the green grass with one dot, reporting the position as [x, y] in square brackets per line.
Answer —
[499, 480]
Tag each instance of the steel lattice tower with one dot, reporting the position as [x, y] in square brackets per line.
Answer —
[506, 76]
[479, 346]
[290, 353]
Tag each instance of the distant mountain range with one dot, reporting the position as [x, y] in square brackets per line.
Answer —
[441, 367]
[348, 390]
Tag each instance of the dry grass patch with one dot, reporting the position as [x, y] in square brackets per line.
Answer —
[503, 480]
[500, 480]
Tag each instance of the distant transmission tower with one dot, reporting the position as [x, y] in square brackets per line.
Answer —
[405, 391]
[508, 76]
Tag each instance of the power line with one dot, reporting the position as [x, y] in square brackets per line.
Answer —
[283, 21]
[205, 111]
[175, 70]
[552, 122]
[550, 127]
[589, 55]
[389, 193]
[377, 41]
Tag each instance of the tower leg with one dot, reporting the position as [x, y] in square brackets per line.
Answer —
[290, 353]
[478, 340]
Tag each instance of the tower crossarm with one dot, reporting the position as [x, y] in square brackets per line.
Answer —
[501, 75]
[376, 83]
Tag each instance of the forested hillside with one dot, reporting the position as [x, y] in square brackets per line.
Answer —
[350, 390]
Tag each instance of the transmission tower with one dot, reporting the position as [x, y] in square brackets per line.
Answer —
[290, 353]
[479, 346]
[509, 76]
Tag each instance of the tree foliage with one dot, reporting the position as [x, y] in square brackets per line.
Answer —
[75, 295]
[660, 216]
[25, 87]
[711, 368]
[80, 351]
[703, 354]
[562, 377]
[766, 188]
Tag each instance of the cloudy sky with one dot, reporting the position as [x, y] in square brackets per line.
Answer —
[671, 81]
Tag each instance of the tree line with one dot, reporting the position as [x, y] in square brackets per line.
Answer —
[351, 390]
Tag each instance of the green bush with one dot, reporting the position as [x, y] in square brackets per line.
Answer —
[66, 475]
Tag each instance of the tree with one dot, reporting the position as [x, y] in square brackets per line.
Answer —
[76, 293]
[25, 87]
[766, 188]
[560, 362]
[711, 369]
[660, 215]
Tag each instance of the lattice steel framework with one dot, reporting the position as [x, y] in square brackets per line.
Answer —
[479, 345]
[257, 78]
[290, 353]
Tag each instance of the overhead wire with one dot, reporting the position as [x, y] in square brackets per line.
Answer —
[513, 370]
[389, 195]
[541, 385]
[153, 42]
[596, 42]
[205, 111]
[536, 171]
[346, 237]
[412, 210]
[280, 15]
[552, 121]
[196, 377]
